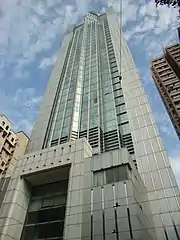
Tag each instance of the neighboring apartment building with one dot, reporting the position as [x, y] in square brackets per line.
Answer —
[96, 167]
[12, 146]
[166, 74]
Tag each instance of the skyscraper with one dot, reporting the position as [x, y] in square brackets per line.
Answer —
[87, 99]
[166, 75]
[120, 185]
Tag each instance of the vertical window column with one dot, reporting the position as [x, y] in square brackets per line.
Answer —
[52, 135]
[79, 86]
[69, 98]
[93, 120]
[111, 134]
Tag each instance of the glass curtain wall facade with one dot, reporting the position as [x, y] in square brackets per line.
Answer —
[46, 212]
[89, 101]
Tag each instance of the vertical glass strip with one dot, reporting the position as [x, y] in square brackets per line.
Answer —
[165, 233]
[84, 101]
[115, 214]
[128, 211]
[49, 132]
[98, 86]
[68, 98]
[103, 214]
[89, 93]
[79, 82]
[91, 214]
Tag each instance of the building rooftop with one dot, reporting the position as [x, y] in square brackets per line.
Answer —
[23, 133]
[3, 115]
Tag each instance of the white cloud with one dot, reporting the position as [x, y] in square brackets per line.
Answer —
[24, 124]
[129, 9]
[48, 61]
[52, 3]
[148, 9]
[30, 27]
[175, 163]
[153, 28]
[26, 98]
[21, 107]
[164, 122]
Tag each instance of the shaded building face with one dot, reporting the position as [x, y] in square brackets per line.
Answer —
[4, 182]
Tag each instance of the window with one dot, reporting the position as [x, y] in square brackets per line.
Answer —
[124, 128]
[111, 175]
[112, 56]
[109, 43]
[118, 93]
[112, 61]
[119, 100]
[120, 108]
[3, 123]
[4, 134]
[7, 127]
[113, 64]
[3, 183]
[116, 80]
[122, 117]
[111, 52]
[46, 212]
[95, 100]
[2, 164]
[114, 69]
[115, 74]
[117, 86]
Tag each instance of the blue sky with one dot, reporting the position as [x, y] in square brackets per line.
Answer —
[31, 32]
